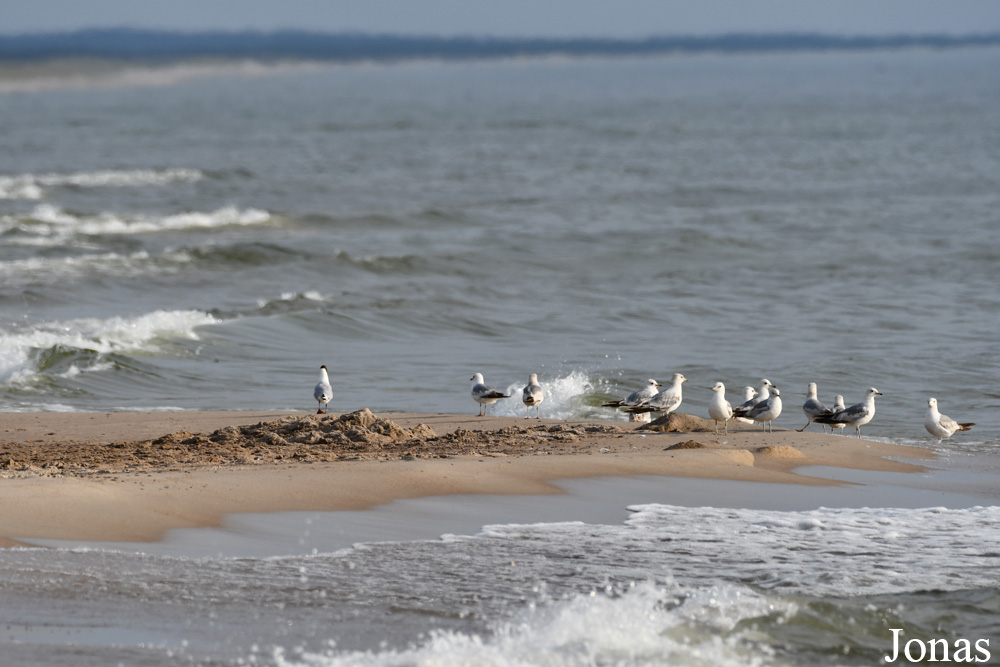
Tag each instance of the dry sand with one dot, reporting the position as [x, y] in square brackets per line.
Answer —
[133, 476]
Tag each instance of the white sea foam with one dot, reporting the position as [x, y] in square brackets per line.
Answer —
[562, 396]
[19, 349]
[647, 624]
[46, 220]
[32, 186]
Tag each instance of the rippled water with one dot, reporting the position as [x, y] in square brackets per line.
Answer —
[674, 585]
[828, 218]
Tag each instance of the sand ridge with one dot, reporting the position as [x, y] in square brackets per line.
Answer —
[86, 476]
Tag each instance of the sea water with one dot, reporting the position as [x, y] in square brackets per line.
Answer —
[826, 218]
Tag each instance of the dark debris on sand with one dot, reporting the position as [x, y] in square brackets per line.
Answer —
[359, 435]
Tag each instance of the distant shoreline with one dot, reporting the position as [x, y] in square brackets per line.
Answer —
[158, 46]
[125, 58]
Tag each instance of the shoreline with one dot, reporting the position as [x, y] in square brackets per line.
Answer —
[148, 489]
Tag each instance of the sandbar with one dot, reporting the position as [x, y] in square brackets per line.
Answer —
[131, 477]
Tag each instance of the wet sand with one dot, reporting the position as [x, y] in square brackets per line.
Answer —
[134, 476]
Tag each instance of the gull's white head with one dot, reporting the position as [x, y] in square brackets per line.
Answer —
[838, 403]
[719, 387]
[533, 378]
[678, 378]
[932, 402]
[653, 382]
[812, 390]
[775, 392]
[477, 378]
[872, 392]
[748, 393]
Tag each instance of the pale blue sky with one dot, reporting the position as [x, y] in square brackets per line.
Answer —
[555, 18]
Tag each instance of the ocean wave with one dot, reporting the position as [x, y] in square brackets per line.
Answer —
[32, 186]
[49, 224]
[566, 397]
[644, 624]
[66, 349]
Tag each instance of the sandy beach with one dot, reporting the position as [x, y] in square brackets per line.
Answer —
[133, 476]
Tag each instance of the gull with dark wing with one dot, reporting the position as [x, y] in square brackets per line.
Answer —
[813, 408]
[483, 394]
[767, 410]
[762, 395]
[636, 398]
[748, 393]
[665, 401]
[532, 394]
[941, 425]
[323, 392]
[838, 405]
[719, 408]
[857, 415]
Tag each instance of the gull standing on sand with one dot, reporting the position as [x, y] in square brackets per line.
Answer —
[665, 401]
[762, 395]
[748, 393]
[941, 425]
[719, 408]
[813, 408]
[484, 395]
[857, 415]
[532, 394]
[767, 410]
[838, 405]
[323, 392]
[636, 398]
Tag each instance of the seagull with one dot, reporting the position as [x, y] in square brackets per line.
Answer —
[857, 415]
[719, 408]
[665, 401]
[838, 405]
[748, 393]
[323, 393]
[762, 396]
[532, 395]
[484, 395]
[941, 425]
[813, 408]
[767, 410]
[636, 398]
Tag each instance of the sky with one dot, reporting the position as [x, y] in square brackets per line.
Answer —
[513, 18]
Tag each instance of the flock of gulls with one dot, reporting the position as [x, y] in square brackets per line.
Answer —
[760, 406]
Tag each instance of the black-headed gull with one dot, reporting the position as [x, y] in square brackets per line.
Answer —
[942, 426]
[484, 395]
[323, 393]
[532, 394]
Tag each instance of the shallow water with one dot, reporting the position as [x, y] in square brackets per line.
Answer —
[827, 217]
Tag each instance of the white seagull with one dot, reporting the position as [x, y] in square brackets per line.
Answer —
[636, 398]
[323, 392]
[838, 405]
[748, 393]
[484, 395]
[857, 415]
[762, 395]
[767, 410]
[941, 425]
[665, 401]
[719, 408]
[813, 408]
[532, 394]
